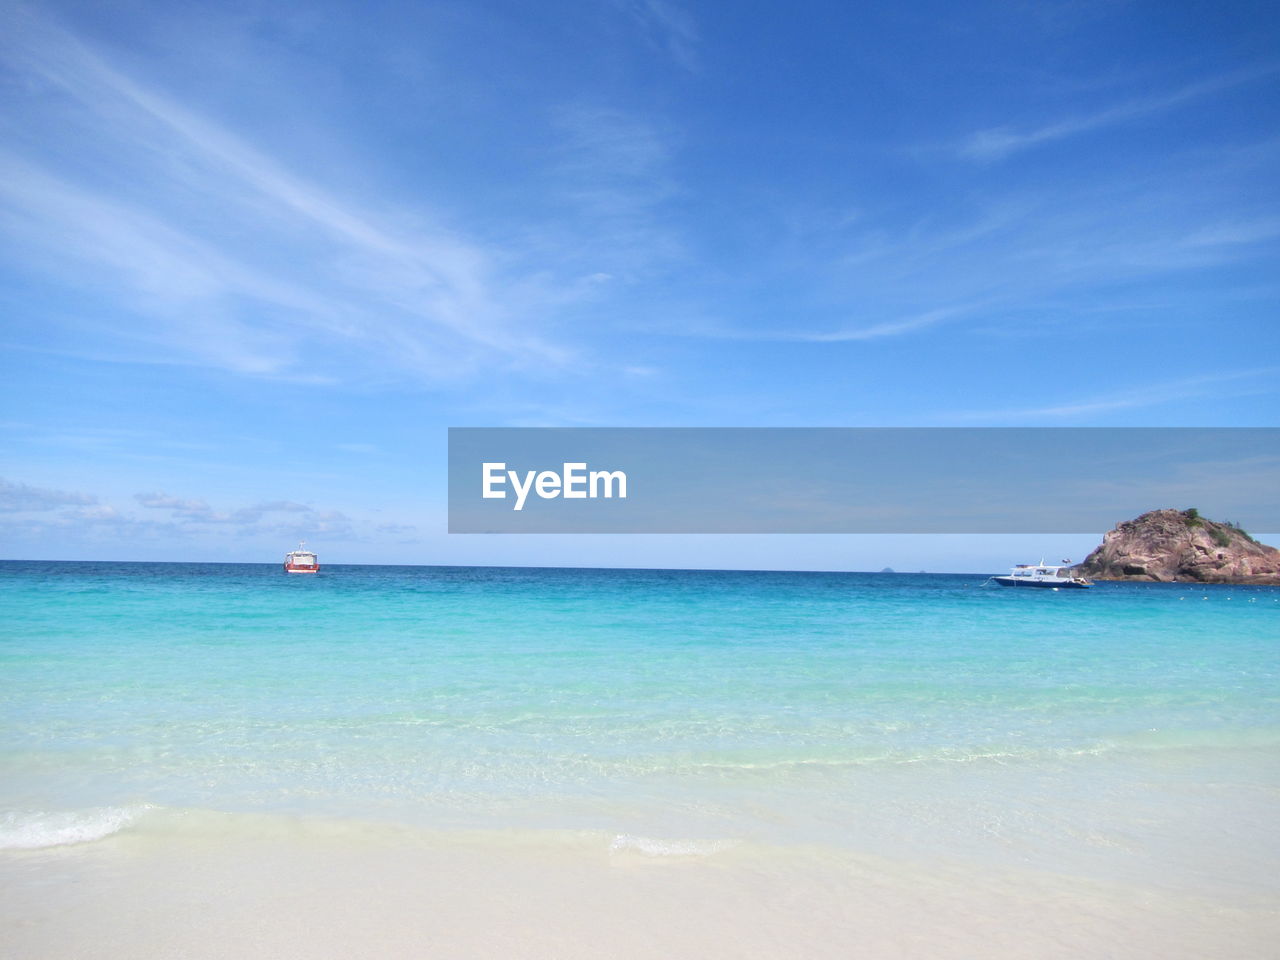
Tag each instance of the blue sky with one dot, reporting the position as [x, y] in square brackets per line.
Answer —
[255, 258]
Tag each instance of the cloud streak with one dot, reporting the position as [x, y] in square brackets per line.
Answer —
[884, 329]
[39, 515]
[667, 26]
[999, 142]
[428, 300]
[1150, 395]
[21, 498]
[611, 169]
[878, 331]
[199, 512]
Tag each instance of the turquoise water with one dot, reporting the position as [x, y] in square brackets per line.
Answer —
[898, 714]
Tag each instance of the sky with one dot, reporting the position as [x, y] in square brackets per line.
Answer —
[256, 258]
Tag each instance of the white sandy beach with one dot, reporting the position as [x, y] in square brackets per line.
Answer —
[276, 888]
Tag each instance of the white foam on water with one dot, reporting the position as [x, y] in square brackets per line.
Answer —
[36, 830]
[655, 847]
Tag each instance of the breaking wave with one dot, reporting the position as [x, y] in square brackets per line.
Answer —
[41, 829]
[653, 847]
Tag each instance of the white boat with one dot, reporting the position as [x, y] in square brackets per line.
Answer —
[1043, 575]
[301, 561]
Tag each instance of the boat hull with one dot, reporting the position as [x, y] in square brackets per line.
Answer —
[1042, 584]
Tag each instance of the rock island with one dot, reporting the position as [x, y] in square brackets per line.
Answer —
[1169, 545]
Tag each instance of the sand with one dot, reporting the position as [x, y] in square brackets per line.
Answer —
[314, 889]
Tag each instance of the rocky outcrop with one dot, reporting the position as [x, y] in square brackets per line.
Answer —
[1167, 545]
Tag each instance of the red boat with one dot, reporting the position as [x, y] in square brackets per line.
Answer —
[301, 561]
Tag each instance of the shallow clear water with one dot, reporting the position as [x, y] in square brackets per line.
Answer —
[1130, 729]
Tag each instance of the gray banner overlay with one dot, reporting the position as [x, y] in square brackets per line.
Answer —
[855, 480]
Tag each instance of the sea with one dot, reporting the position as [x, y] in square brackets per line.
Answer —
[1125, 737]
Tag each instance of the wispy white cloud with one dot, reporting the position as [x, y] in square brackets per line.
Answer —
[168, 274]
[19, 497]
[426, 300]
[1228, 233]
[611, 169]
[1007, 252]
[199, 512]
[38, 515]
[668, 26]
[164, 501]
[101, 514]
[999, 142]
[877, 331]
[1148, 395]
